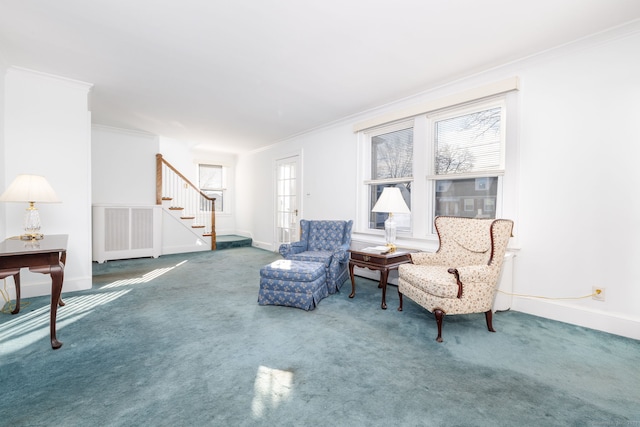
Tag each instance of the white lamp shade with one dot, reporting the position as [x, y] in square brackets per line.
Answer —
[391, 201]
[29, 188]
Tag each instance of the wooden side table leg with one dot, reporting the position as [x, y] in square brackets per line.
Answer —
[57, 277]
[384, 274]
[353, 282]
[16, 281]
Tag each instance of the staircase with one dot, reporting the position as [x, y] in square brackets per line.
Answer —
[184, 200]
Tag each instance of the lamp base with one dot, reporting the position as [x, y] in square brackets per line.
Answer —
[32, 236]
[390, 233]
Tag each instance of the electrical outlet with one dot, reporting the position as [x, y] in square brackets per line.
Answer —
[598, 293]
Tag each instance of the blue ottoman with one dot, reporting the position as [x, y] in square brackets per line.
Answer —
[291, 283]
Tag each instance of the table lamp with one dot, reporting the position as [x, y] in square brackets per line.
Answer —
[391, 201]
[30, 189]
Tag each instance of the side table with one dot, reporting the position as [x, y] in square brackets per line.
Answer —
[46, 256]
[382, 262]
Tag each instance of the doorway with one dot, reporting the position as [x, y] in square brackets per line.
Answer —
[287, 205]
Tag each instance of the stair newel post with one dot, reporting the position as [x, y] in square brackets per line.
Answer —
[213, 224]
[158, 179]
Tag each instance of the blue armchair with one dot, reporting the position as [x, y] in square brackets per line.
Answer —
[327, 242]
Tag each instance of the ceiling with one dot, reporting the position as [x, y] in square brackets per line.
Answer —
[237, 75]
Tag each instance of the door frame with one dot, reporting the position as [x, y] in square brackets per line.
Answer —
[297, 155]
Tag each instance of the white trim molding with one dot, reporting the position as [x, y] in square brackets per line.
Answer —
[492, 89]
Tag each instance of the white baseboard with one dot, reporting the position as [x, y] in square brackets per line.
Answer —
[589, 318]
[169, 250]
[43, 287]
[263, 245]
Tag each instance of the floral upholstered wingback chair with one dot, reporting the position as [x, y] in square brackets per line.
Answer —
[462, 276]
[323, 241]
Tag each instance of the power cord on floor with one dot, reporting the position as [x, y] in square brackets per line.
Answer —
[7, 307]
[553, 298]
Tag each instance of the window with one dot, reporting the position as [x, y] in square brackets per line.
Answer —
[451, 161]
[468, 158]
[212, 182]
[391, 166]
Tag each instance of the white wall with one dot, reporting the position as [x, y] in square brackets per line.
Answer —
[179, 154]
[123, 166]
[328, 160]
[576, 216]
[579, 181]
[3, 182]
[47, 132]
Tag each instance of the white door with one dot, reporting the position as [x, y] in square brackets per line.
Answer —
[287, 207]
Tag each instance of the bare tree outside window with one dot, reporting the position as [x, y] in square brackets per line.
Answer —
[391, 159]
[392, 155]
[451, 160]
[467, 143]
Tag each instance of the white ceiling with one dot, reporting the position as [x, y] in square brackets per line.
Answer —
[240, 74]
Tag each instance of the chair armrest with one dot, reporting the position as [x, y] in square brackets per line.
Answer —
[428, 258]
[287, 249]
[470, 274]
[341, 254]
[475, 273]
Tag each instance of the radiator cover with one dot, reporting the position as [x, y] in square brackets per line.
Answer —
[121, 232]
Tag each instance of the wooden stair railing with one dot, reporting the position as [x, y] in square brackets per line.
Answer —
[172, 186]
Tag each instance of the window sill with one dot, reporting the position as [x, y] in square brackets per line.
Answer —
[425, 244]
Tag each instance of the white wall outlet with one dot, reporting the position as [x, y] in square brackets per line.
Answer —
[598, 293]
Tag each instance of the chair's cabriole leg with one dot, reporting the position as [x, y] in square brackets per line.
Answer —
[489, 316]
[439, 316]
[400, 298]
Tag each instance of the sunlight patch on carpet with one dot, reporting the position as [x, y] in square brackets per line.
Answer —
[145, 278]
[271, 387]
[27, 328]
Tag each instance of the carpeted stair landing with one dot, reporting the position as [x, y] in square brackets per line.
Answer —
[232, 241]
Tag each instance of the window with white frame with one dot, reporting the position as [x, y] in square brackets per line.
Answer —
[468, 159]
[391, 165]
[212, 182]
[450, 161]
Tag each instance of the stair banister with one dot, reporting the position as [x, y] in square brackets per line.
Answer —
[192, 199]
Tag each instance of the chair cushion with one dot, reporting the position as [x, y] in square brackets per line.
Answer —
[312, 256]
[293, 270]
[432, 279]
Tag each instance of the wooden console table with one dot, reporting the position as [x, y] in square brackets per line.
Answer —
[46, 256]
[374, 260]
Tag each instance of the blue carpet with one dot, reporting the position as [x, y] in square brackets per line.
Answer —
[181, 341]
